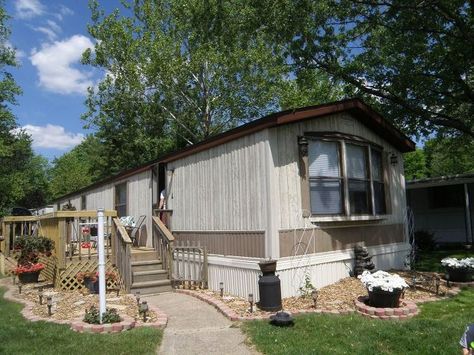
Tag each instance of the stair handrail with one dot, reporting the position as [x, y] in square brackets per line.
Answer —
[163, 241]
[122, 245]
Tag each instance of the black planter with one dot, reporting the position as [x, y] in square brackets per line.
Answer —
[29, 277]
[269, 287]
[384, 299]
[459, 275]
[92, 286]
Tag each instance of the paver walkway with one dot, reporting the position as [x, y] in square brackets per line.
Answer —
[194, 327]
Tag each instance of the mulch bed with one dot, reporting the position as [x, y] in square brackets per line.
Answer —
[338, 297]
[70, 305]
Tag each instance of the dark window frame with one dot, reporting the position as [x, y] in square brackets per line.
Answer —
[343, 140]
[116, 198]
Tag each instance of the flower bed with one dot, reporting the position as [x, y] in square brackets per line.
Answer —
[459, 270]
[407, 309]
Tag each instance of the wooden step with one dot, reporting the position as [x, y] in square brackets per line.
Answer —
[143, 254]
[150, 287]
[149, 275]
[146, 265]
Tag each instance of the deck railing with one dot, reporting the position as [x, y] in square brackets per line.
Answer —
[163, 243]
[63, 227]
[122, 250]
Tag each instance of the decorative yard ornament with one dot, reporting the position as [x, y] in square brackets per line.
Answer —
[362, 260]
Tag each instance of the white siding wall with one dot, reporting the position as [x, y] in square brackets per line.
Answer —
[240, 275]
[223, 188]
[286, 161]
[139, 198]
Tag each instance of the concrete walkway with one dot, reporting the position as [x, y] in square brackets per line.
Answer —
[194, 327]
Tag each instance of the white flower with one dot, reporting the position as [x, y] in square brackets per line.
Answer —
[382, 280]
[466, 263]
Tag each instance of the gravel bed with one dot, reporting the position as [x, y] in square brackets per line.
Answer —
[336, 297]
[70, 305]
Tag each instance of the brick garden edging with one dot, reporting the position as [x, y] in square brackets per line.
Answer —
[233, 316]
[78, 325]
[407, 309]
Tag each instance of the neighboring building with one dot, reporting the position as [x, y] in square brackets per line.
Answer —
[443, 206]
[302, 186]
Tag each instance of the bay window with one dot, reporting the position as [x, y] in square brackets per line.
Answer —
[345, 178]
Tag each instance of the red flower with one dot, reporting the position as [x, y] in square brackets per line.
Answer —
[28, 268]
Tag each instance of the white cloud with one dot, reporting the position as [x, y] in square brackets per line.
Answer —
[52, 136]
[50, 29]
[26, 9]
[63, 11]
[55, 63]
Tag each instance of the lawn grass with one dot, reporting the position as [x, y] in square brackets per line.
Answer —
[20, 336]
[436, 330]
[431, 260]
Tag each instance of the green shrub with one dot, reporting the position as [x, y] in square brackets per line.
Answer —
[110, 316]
[425, 240]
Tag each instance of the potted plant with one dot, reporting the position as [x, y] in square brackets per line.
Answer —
[384, 289]
[459, 270]
[91, 279]
[28, 250]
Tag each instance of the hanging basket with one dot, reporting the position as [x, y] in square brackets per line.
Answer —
[385, 299]
[29, 277]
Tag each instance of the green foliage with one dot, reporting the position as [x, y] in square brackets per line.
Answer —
[307, 288]
[110, 316]
[21, 336]
[179, 71]
[415, 165]
[31, 247]
[425, 240]
[436, 330]
[23, 179]
[449, 156]
[77, 168]
[412, 60]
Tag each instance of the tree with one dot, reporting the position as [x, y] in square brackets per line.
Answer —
[415, 165]
[76, 169]
[449, 156]
[179, 71]
[413, 60]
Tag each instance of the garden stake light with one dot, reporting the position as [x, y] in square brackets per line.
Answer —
[314, 296]
[49, 300]
[221, 286]
[19, 288]
[437, 282]
[144, 310]
[40, 295]
[137, 296]
[118, 291]
[251, 302]
[13, 278]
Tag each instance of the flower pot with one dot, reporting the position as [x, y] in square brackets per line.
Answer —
[268, 267]
[459, 274]
[385, 299]
[92, 286]
[29, 277]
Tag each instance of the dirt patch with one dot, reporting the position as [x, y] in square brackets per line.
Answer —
[71, 305]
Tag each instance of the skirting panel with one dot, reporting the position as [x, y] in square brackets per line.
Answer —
[240, 275]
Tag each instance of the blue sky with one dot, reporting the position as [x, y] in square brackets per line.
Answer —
[49, 37]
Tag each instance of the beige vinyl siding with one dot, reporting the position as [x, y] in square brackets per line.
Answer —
[286, 167]
[223, 188]
[139, 198]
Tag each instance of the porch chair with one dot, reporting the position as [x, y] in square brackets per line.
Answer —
[137, 230]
